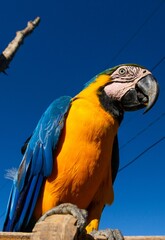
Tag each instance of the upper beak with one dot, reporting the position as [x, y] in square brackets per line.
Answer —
[148, 86]
[144, 94]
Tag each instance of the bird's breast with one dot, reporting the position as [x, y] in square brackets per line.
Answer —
[82, 160]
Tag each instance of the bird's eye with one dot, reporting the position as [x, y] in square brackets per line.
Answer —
[122, 71]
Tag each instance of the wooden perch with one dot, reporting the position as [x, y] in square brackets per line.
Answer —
[9, 52]
[61, 227]
[56, 227]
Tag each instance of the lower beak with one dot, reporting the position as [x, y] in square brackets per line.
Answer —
[143, 95]
[148, 86]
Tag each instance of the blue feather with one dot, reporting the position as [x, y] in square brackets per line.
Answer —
[36, 164]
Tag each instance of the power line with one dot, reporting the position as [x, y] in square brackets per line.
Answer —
[138, 30]
[142, 153]
[143, 130]
[152, 69]
[157, 64]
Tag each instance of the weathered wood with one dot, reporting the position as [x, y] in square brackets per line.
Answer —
[55, 227]
[144, 238]
[61, 227]
[14, 236]
[27, 236]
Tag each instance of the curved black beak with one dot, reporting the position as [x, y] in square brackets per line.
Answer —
[143, 95]
[148, 86]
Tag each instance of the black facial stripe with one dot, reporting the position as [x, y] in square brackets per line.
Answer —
[110, 105]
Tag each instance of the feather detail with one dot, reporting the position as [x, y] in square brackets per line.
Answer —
[11, 173]
[36, 164]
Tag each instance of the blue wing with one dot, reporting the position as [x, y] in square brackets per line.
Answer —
[36, 164]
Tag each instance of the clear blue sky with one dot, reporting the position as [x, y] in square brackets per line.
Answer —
[75, 41]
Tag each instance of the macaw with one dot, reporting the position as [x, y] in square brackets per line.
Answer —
[72, 156]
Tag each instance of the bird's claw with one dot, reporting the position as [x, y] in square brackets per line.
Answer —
[68, 208]
[108, 233]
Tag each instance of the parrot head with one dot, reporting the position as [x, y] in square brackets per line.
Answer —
[134, 86]
[126, 87]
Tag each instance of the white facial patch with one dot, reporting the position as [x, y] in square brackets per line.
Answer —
[117, 89]
[122, 83]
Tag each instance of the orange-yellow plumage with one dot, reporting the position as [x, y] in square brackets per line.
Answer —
[82, 164]
[73, 155]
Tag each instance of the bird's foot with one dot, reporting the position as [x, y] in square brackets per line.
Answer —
[108, 233]
[68, 208]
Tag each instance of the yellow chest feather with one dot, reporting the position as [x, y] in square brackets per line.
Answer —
[83, 157]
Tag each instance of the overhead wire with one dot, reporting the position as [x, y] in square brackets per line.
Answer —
[142, 153]
[156, 9]
[157, 64]
[143, 130]
[153, 68]
[154, 121]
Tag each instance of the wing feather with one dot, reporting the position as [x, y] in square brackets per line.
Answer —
[36, 164]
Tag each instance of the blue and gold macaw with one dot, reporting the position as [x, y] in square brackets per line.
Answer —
[72, 155]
